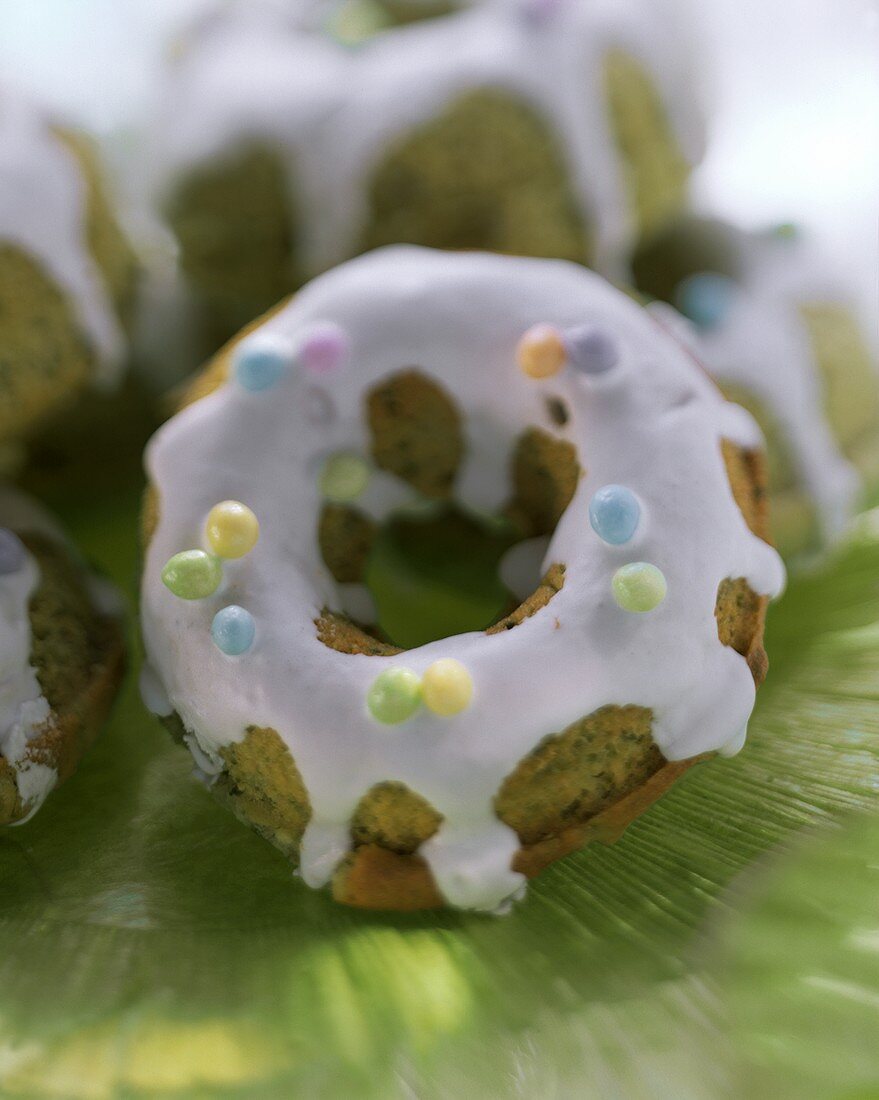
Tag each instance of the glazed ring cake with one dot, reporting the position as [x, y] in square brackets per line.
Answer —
[61, 656]
[776, 328]
[67, 274]
[559, 129]
[513, 391]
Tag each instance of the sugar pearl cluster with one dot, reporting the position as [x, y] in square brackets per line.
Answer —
[445, 688]
[614, 511]
[231, 532]
[545, 351]
[231, 529]
[263, 360]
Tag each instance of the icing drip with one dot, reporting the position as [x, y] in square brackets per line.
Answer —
[653, 423]
[43, 211]
[333, 112]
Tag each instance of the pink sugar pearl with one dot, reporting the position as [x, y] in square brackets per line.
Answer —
[325, 349]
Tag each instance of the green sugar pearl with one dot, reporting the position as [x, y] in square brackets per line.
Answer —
[395, 695]
[344, 477]
[193, 575]
[639, 587]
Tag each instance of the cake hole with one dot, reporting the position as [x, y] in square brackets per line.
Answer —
[440, 570]
[438, 576]
[431, 577]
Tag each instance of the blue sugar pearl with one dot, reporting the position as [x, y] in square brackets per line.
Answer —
[705, 298]
[233, 630]
[261, 362]
[614, 513]
[591, 350]
[12, 553]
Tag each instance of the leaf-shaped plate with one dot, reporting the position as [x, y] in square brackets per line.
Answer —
[153, 947]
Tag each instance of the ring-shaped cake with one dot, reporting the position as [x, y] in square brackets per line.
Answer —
[650, 607]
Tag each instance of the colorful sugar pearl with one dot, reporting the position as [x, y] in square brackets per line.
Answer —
[706, 298]
[395, 695]
[233, 630]
[447, 687]
[614, 513]
[232, 529]
[12, 552]
[639, 587]
[343, 477]
[591, 350]
[261, 362]
[325, 349]
[193, 575]
[541, 352]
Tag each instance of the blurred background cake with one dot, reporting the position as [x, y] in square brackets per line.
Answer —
[535, 127]
[563, 130]
[61, 656]
[772, 321]
[288, 135]
[67, 273]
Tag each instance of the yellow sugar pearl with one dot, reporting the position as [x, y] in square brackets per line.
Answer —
[541, 352]
[232, 529]
[446, 687]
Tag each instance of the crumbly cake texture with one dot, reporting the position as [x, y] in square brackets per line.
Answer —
[567, 132]
[774, 328]
[67, 274]
[61, 657]
[450, 772]
[236, 226]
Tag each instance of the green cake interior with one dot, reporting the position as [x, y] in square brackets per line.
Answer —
[487, 172]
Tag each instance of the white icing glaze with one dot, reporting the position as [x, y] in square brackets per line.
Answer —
[654, 423]
[334, 112]
[153, 695]
[763, 344]
[43, 212]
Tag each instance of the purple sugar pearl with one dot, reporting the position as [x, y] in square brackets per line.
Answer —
[591, 350]
[325, 349]
[12, 553]
[540, 12]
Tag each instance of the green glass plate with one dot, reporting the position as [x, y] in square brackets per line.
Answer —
[799, 971]
[153, 947]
